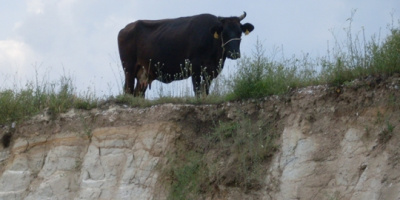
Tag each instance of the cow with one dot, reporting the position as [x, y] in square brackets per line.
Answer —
[175, 49]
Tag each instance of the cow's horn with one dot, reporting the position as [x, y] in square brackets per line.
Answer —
[242, 16]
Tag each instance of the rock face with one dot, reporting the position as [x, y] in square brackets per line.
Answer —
[70, 158]
[331, 146]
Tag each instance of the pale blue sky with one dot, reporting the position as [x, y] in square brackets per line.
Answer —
[78, 38]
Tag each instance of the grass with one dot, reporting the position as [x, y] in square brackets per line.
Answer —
[357, 57]
[249, 144]
[188, 175]
[387, 133]
[235, 155]
[58, 97]
[260, 76]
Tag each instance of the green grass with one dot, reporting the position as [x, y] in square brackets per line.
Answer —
[386, 57]
[57, 97]
[387, 133]
[249, 145]
[260, 76]
[188, 175]
[356, 57]
[234, 154]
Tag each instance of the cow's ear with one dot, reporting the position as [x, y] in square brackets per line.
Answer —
[216, 31]
[247, 28]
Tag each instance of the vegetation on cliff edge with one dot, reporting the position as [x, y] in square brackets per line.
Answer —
[258, 76]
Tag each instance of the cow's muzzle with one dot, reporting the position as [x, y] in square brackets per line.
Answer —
[233, 55]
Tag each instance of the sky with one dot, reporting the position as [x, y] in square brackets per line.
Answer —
[46, 39]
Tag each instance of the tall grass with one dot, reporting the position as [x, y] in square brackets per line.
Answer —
[260, 76]
[35, 96]
[356, 57]
[359, 56]
[387, 56]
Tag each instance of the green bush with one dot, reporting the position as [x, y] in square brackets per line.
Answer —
[357, 57]
[188, 175]
[235, 155]
[260, 76]
[386, 58]
[57, 97]
[16, 105]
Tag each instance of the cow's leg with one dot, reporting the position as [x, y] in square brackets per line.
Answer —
[129, 84]
[129, 79]
[140, 90]
[142, 81]
[206, 84]
[196, 80]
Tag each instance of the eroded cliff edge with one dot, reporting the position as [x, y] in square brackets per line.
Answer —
[333, 143]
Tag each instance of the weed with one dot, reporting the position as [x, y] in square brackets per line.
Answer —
[249, 145]
[393, 101]
[367, 132]
[57, 97]
[386, 133]
[261, 76]
[386, 57]
[87, 127]
[390, 127]
[357, 57]
[188, 175]
[236, 154]
[379, 118]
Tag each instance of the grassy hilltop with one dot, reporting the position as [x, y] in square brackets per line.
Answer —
[258, 75]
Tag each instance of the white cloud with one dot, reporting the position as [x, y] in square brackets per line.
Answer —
[17, 61]
[14, 52]
[35, 6]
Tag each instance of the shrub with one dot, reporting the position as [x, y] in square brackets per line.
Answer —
[235, 155]
[356, 57]
[386, 58]
[57, 97]
[260, 76]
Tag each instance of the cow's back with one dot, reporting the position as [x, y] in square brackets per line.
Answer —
[169, 41]
[165, 45]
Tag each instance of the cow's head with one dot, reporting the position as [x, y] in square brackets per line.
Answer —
[229, 31]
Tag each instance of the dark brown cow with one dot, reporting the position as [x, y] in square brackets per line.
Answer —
[175, 49]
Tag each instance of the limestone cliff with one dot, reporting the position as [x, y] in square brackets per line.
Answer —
[333, 143]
